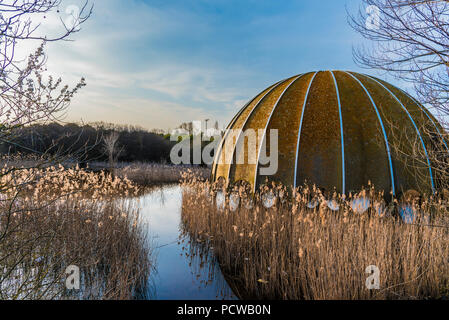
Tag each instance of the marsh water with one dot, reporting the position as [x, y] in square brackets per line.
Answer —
[177, 275]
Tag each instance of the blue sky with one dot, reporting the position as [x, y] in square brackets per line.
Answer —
[157, 63]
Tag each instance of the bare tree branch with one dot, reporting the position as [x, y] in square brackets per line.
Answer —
[411, 42]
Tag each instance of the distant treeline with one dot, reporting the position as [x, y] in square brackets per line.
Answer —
[85, 142]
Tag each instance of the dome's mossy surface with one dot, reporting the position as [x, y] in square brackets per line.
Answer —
[339, 131]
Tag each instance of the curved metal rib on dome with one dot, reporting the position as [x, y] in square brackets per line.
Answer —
[428, 116]
[220, 147]
[217, 156]
[300, 128]
[266, 127]
[246, 120]
[342, 136]
[416, 127]
[424, 110]
[387, 145]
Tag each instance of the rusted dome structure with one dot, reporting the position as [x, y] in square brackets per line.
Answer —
[337, 130]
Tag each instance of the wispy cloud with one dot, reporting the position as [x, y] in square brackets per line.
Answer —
[157, 63]
[200, 84]
[127, 76]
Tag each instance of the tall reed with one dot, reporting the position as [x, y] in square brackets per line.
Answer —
[149, 174]
[53, 218]
[300, 248]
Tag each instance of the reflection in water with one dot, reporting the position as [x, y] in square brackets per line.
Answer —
[183, 269]
[201, 258]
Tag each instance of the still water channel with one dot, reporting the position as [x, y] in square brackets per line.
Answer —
[176, 275]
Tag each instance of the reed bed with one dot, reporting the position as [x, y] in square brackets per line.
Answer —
[143, 174]
[53, 218]
[296, 250]
[148, 174]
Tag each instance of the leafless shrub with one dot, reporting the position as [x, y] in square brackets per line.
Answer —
[52, 224]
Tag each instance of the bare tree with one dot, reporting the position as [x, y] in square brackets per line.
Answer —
[27, 96]
[410, 40]
[111, 148]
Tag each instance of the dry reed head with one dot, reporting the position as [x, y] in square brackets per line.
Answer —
[55, 217]
[149, 174]
[299, 249]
